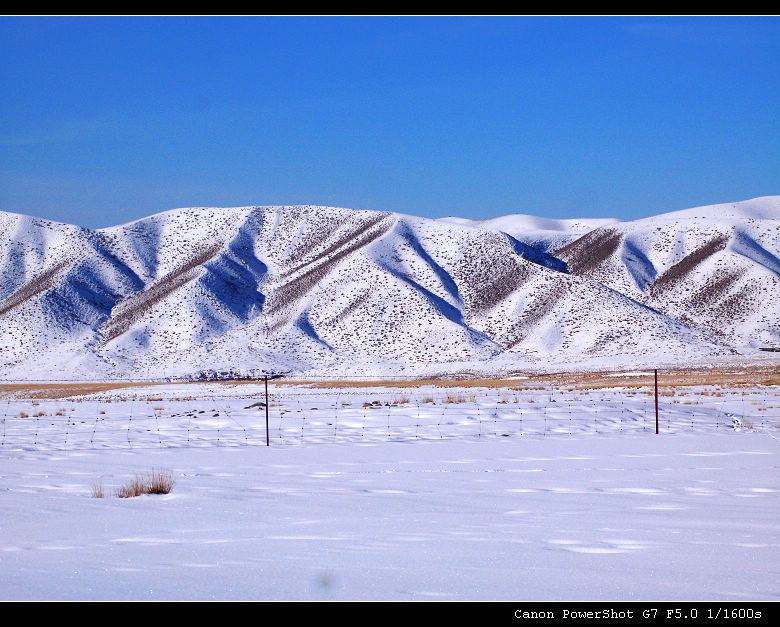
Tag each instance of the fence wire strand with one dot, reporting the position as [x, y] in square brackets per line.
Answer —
[301, 414]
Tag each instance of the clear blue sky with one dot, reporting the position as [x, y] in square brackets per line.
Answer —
[104, 120]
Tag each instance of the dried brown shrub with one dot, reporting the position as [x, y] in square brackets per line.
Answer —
[153, 482]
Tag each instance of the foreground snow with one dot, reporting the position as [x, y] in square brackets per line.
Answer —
[618, 514]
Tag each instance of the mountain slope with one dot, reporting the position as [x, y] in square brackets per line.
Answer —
[328, 290]
[714, 267]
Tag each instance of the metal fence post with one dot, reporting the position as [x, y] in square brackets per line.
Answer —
[656, 400]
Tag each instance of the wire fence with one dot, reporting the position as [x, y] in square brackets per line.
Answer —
[236, 416]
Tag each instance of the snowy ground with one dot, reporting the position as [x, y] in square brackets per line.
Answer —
[499, 494]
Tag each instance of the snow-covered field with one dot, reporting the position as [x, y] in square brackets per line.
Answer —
[418, 493]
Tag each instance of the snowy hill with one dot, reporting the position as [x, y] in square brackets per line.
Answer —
[714, 267]
[328, 290]
[546, 234]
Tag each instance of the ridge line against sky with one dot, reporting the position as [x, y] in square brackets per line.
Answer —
[454, 219]
[107, 120]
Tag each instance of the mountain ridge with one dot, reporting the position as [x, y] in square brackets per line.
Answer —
[330, 290]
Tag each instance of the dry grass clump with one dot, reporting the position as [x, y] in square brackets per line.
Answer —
[154, 482]
[459, 398]
[23, 414]
[97, 489]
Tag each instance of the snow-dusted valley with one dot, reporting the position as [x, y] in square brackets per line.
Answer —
[328, 291]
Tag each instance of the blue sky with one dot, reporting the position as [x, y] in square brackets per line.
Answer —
[105, 120]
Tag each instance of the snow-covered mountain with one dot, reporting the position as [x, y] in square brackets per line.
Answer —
[713, 267]
[330, 290]
[547, 234]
